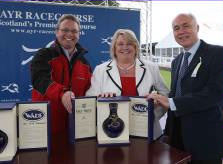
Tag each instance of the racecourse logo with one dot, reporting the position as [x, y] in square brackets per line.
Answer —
[31, 50]
[12, 88]
[107, 40]
[30, 87]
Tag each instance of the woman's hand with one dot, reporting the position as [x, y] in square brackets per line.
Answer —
[107, 94]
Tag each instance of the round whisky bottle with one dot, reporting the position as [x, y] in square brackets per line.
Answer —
[113, 125]
[3, 141]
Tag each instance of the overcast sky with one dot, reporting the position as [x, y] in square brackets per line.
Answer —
[208, 13]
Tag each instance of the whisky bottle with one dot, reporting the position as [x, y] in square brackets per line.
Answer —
[3, 141]
[113, 125]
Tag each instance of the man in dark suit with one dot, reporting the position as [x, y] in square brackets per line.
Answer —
[195, 112]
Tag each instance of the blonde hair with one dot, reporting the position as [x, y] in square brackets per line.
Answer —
[130, 36]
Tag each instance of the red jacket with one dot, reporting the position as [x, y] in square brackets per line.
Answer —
[52, 74]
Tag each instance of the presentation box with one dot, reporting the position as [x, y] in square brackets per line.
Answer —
[23, 126]
[141, 117]
[82, 121]
[113, 120]
[33, 125]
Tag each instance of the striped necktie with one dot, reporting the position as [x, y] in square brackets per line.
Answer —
[183, 68]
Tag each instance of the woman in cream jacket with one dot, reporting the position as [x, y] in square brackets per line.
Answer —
[127, 75]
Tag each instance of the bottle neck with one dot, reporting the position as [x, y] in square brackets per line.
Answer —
[113, 111]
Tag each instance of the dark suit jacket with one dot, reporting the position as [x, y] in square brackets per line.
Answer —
[197, 125]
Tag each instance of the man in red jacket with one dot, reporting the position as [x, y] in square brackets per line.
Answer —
[61, 72]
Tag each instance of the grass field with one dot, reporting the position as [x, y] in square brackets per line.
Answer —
[166, 77]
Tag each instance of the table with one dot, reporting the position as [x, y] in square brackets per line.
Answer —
[88, 152]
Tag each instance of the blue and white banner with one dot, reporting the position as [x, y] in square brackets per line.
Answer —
[26, 27]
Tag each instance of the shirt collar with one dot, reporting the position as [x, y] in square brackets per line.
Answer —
[193, 50]
[67, 53]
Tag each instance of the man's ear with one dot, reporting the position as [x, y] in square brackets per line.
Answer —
[198, 28]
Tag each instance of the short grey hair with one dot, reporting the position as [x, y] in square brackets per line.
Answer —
[188, 15]
[131, 37]
[67, 17]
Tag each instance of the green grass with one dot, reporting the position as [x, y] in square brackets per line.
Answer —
[166, 77]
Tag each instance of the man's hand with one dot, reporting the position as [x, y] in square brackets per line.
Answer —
[66, 100]
[159, 100]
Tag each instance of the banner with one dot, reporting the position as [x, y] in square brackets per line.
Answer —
[26, 27]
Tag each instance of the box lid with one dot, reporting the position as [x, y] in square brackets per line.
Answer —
[7, 106]
[112, 99]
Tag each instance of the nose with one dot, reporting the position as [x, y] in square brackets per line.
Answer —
[70, 32]
[182, 29]
[125, 46]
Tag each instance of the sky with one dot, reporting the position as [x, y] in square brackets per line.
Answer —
[208, 13]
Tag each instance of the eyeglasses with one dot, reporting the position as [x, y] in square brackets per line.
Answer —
[66, 31]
